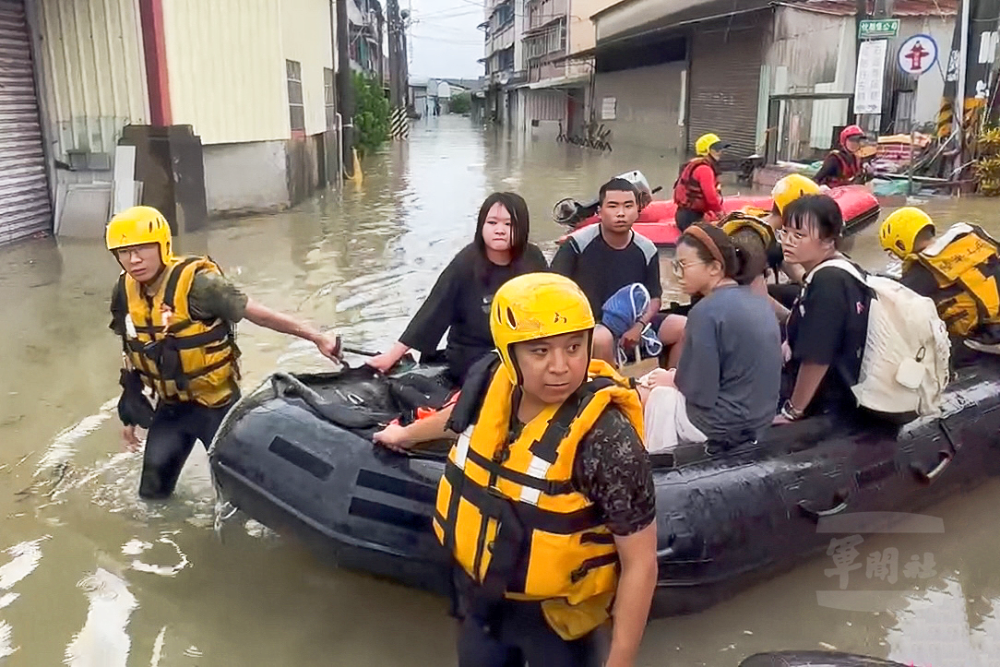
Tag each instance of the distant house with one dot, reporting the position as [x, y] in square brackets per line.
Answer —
[429, 97]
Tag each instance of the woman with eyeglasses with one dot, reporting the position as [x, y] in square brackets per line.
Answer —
[828, 326]
[726, 386]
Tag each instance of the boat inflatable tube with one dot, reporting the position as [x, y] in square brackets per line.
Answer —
[297, 455]
[656, 221]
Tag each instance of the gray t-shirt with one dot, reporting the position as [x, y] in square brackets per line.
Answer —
[730, 367]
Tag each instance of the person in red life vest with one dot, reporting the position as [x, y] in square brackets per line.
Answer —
[697, 192]
[842, 165]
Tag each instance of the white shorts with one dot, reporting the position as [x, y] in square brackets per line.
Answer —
[666, 421]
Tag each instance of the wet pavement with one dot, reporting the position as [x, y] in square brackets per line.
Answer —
[92, 576]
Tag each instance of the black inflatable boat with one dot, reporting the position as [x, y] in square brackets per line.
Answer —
[815, 659]
[296, 455]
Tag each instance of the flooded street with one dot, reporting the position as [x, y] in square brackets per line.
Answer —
[92, 576]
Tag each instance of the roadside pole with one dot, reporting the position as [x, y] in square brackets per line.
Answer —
[345, 90]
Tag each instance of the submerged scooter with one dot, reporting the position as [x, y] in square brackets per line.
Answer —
[571, 212]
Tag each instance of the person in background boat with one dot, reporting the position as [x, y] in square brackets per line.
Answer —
[959, 270]
[828, 326]
[842, 166]
[604, 258]
[176, 317]
[460, 300]
[728, 381]
[547, 502]
[697, 192]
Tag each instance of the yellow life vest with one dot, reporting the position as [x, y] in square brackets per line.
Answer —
[966, 264]
[180, 358]
[509, 512]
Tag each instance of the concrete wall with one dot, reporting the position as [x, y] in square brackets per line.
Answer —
[582, 31]
[307, 38]
[93, 76]
[648, 106]
[227, 68]
[231, 187]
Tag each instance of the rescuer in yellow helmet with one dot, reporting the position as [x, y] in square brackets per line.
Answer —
[547, 436]
[176, 317]
[697, 193]
[959, 270]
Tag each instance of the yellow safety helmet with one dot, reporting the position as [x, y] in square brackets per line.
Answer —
[899, 231]
[705, 142]
[738, 220]
[790, 188]
[137, 226]
[534, 306]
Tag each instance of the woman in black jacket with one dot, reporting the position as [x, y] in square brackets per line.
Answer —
[460, 300]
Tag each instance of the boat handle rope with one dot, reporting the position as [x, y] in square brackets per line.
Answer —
[945, 457]
[840, 499]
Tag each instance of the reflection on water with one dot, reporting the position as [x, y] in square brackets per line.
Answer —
[91, 575]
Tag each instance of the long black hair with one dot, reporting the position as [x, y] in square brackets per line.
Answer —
[520, 227]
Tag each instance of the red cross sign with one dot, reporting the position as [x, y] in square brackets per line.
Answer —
[918, 54]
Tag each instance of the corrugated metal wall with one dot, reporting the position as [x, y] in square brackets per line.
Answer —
[307, 38]
[725, 81]
[95, 81]
[546, 105]
[227, 69]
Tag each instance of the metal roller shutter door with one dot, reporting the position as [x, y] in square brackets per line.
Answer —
[24, 193]
[725, 82]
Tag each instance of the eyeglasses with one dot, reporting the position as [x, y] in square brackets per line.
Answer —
[679, 267]
[134, 250]
[791, 236]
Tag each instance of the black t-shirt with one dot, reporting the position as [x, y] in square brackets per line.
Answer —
[460, 301]
[600, 270]
[829, 325]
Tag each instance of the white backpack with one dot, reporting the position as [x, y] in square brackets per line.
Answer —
[905, 367]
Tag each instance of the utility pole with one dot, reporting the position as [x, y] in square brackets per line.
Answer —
[345, 87]
[860, 14]
[395, 25]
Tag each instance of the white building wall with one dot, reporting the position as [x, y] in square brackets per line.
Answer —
[307, 38]
[226, 66]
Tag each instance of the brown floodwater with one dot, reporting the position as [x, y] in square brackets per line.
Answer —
[92, 576]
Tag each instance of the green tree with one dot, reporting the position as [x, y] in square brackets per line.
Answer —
[461, 103]
[371, 114]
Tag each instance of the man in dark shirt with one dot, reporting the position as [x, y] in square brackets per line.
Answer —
[606, 257]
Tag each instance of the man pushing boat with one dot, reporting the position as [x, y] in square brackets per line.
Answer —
[176, 317]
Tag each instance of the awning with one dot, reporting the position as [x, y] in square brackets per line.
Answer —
[584, 55]
[633, 19]
[560, 82]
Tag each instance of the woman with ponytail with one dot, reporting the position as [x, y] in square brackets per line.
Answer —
[725, 388]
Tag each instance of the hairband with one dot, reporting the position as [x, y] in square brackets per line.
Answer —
[706, 240]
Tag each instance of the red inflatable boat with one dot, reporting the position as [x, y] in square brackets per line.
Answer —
[656, 221]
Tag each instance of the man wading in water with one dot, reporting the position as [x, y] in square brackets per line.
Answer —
[177, 317]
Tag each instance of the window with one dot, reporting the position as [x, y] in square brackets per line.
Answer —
[329, 97]
[296, 108]
[552, 40]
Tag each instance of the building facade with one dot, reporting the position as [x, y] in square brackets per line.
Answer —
[254, 81]
[770, 77]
